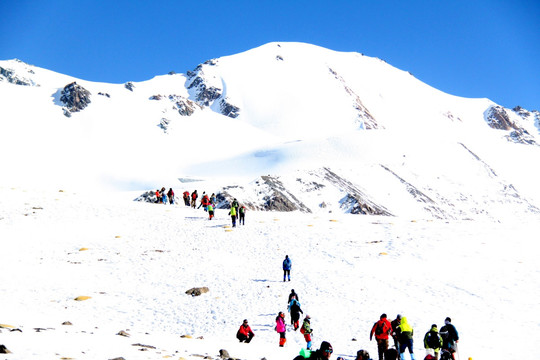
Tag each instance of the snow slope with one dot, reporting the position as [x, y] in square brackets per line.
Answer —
[140, 259]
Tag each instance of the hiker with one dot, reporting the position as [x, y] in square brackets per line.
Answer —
[210, 211]
[449, 336]
[242, 214]
[170, 194]
[295, 310]
[362, 355]
[186, 198]
[395, 324]
[381, 329]
[323, 353]
[235, 205]
[163, 196]
[194, 197]
[405, 336]
[306, 331]
[433, 341]
[204, 201]
[232, 213]
[287, 267]
[213, 200]
[245, 334]
[293, 295]
[281, 328]
[158, 196]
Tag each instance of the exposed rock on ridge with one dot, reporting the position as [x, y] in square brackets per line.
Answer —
[75, 98]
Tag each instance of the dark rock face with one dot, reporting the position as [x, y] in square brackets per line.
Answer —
[129, 85]
[11, 77]
[229, 109]
[497, 118]
[75, 97]
[184, 106]
[204, 94]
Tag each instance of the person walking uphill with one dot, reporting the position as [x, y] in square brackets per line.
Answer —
[449, 336]
[295, 310]
[433, 341]
[405, 338]
[245, 334]
[281, 328]
[382, 330]
[287, 263]
[306, 331]
[232, 213]
[395, 323]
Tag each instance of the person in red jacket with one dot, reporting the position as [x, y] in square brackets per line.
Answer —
[381, 329]
[245, 334]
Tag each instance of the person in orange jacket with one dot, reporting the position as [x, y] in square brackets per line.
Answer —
[382, 330]
[245, 334]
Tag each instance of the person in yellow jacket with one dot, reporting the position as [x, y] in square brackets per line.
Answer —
[233, 215]
[405, 333]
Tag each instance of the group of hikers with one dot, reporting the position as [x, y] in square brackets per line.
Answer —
[441, 342]
[208, 203]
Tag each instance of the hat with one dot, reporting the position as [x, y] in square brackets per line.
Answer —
[325, 346]
[383, 316]
[362, 355]
[448, 319]
[398, 316]
[307, 317]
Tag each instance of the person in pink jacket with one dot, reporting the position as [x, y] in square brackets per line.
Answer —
[281, 328]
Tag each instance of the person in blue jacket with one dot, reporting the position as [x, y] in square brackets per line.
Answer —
[287, 268]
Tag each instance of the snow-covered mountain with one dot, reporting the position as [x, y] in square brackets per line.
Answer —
[286, 126]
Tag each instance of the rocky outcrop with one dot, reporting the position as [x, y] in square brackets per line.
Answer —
[498, 118]
[229, 109]
[11, 77]
[205, 90]
[74, 97]
[129, 85]
[197, 291]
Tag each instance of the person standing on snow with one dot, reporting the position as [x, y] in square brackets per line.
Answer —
[170, 194]
[281, 328]
[186, 198]
[194, 197]
[395, 323]
[242, 213]
[245, 334]
[295, 310]
[405, 337]
[382, 330]
[433, 341]
[306, 331]
[293, 295]
[232, 213]
[449, 336]
[210, 211]
[287, 267]
[235, 205]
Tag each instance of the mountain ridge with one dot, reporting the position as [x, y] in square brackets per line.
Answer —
[275, 111]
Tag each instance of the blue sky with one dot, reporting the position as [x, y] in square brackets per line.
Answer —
[482, 48]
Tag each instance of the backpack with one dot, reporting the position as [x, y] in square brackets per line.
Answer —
[302, 330]
[379, 330]
[433, 340]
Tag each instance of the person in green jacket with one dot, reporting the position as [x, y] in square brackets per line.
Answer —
[232, 213]
[432, 340]
[306, 330]
[405, 336]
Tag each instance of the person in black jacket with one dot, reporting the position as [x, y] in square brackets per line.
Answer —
[295, 310]
[449, 336]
